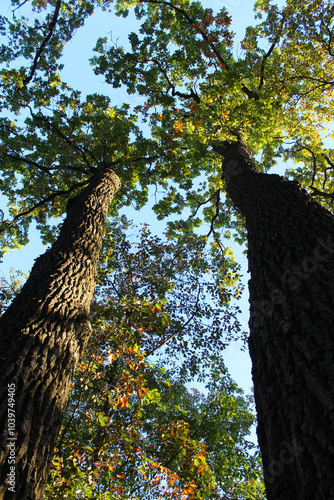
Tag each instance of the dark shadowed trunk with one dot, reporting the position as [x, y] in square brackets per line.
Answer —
[291, 260]
[41, 337]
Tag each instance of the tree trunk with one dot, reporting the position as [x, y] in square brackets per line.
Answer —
[291, 260]
[41, 337]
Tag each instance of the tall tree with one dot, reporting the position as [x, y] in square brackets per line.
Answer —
[47, 326]
[291, 260]
[42, 335]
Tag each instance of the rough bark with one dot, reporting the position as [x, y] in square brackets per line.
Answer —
[41, 337]
[291, 261]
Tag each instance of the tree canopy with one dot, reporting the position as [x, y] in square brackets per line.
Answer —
[195, 93]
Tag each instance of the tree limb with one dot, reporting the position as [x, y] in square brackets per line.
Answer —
[268, 54]
[39, 52]
[58, 132]
[44, 201]
[314, 159]
[316, 192]
[200, 203]
[182, 327]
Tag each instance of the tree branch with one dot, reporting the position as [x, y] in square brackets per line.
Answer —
[302, 146]
[47, 170]
[329, 161]
[182, 327]
[58, 132]
[200, 203]
[44, 201]
[268, 54]
[41, 48]
[327, 45]
[19, 6]
[212, 230]
[316, 192]
[331, 167]
[28, 162]
[192, 94]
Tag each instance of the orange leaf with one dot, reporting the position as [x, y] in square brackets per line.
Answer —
[178, 129]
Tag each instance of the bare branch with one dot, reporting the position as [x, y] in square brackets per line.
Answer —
[19, 6]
